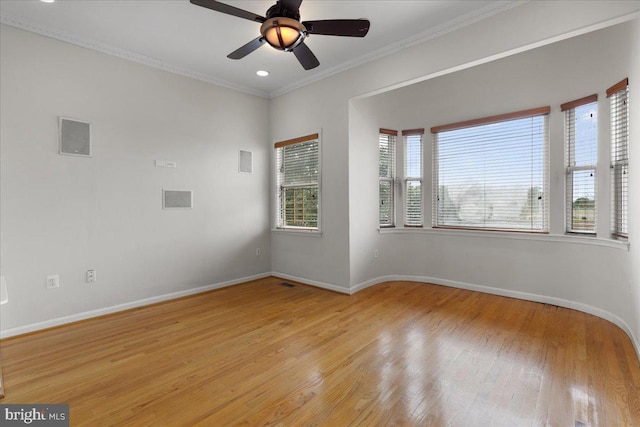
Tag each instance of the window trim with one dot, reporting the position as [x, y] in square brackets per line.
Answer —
[572, 105]
[532, 112]
[294, 229]
[566, 108]
[621, 85]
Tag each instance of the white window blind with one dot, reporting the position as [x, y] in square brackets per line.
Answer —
[387, 175]
[581, 141]
[492, 173]
[298, 177]
[413, 177]
[619, 97]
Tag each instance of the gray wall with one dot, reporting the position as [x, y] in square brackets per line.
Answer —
[64, 215]
[551, 270]
[558, 266]
[634, 184]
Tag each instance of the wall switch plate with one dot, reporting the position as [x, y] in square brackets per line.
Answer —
[258, 251]
[53, 281]
[375, 253]
[92, 276]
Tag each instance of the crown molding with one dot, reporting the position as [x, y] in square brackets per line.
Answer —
[462, 21]
[489, 10]
[126, 54]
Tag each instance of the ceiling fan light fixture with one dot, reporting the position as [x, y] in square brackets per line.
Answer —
[282, 29]
[283, 33]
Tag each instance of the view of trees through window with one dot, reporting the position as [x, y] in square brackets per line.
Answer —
[582, 155]
[386, 173]
[301, 206]
[298, 173]
[413, 179]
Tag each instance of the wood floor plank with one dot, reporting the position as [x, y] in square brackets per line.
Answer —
[399, 353]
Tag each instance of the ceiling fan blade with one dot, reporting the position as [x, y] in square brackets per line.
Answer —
[292, 5]
[306, 58]
[247, 48]
[229, 10]
[339, 27]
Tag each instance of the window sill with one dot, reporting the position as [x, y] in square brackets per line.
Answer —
[297, 232]
[560, 238]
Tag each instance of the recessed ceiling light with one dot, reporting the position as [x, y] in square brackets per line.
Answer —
[47, 1]
[262, 73]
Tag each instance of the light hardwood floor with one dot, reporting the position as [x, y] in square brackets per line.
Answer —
[399, 353]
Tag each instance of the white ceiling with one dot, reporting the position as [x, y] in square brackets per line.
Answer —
[190, 40]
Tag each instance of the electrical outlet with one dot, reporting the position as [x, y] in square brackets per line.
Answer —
[258, 252]
[53, 281]
[375, 253]
[92, 276]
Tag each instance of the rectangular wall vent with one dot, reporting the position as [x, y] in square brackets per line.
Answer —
[177, 199]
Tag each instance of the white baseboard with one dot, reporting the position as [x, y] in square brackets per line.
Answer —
[322, 285]
[349, 291]
[511, 294]
[121, 307]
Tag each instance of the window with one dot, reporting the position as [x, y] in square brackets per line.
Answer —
[387, 175]
[298, 177]
[581, 140]
[492, 173]
[619, 97]
[413, 177]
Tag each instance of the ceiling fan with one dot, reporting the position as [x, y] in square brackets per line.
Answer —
[282, 29]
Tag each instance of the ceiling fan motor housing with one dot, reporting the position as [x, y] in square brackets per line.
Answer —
[279, 10]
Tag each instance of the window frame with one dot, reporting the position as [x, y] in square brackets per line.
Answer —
[280, 216]
[569, 109]
[619, 166]
[406, 179]
[391, 142]
[501, 118]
